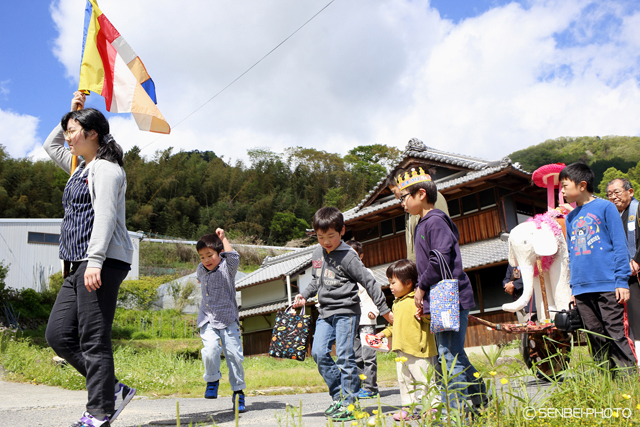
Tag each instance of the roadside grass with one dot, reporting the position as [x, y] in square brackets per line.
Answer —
[172, 368]
[166, 367]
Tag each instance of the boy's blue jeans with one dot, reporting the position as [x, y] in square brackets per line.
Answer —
[341, 376]
[214, 341]
[451, 344]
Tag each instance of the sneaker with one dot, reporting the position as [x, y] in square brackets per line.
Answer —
[212, 390]
[335, 407]
[343, 415]
[364, 394]
[88, 420]
[241, 406]
[123, 397]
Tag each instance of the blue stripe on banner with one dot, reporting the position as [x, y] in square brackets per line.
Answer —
[150, 88]
[88, 11]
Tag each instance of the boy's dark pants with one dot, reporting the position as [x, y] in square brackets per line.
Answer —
[366, 359]
[603, 315]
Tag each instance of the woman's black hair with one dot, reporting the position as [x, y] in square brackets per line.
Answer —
[92, 119]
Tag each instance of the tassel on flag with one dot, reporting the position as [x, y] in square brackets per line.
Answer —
[112, 69]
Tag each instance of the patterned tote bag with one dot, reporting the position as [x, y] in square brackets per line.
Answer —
[444, 300]
[290, 334]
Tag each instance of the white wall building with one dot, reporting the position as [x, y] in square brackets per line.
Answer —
[29, 247]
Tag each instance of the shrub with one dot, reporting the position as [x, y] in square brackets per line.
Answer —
[142, 293]
[4, 269]
[55, 282]
[141, 336]
[182, 294]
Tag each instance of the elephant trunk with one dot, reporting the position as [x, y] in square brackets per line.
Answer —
[527, 290]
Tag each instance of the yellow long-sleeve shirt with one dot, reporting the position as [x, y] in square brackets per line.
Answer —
[410, 335]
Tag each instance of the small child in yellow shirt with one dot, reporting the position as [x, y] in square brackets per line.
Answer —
[412, 341]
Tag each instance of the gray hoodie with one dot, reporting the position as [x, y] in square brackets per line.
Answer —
[108, 184]
[335, 278]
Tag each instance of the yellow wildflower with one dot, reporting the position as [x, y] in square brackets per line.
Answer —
[626, 396]
[403, 359]
[350, 408]
[375, 412]
[504, 381]
[493, 373]
[363, 377]
[355, 423]
[476, 374]
[360, 415]
[397, 359]
[638, 406]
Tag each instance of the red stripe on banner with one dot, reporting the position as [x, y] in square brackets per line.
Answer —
[108, 55]
[108, 29]
[626, 333]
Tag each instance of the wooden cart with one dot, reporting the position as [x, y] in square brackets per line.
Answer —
[544, 347]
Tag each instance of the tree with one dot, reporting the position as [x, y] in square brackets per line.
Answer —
[611, 174]
[285, 226]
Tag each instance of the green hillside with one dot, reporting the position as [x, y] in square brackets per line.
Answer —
[622, 153]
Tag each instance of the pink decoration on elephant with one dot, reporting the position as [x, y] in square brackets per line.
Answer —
[547, 220]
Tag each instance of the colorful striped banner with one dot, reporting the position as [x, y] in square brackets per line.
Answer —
[112, 69]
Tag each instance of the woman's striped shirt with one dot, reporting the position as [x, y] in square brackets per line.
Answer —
[77, 224]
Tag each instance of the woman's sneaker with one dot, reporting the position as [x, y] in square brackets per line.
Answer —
[123, 397]
[89, 420]
[212, 390]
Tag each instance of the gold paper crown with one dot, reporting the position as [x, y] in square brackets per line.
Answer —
[413, 178]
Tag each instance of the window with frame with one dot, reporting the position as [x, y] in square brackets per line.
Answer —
[45, 238]
[454, 208]
[487, 198]
[400, 223]
[469, 204]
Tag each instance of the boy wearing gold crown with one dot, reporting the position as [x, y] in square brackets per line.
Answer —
[436, 231]
[412, 220]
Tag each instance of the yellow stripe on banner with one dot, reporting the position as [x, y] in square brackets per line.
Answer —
[137, 68]
[91, 69]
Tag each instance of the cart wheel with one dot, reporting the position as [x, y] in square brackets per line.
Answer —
[546, 352]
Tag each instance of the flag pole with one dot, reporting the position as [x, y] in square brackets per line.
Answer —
[74, 159]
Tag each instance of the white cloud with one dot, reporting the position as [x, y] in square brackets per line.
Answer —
[18, 133]
[4, 88]
[368, 72]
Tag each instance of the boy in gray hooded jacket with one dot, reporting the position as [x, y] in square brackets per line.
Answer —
[336, 271]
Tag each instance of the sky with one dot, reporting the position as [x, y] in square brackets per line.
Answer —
[477, 77]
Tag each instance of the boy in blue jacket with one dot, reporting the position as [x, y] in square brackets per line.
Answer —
[599, 265]
[436, 231]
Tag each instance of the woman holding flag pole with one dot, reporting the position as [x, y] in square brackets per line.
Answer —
[94, 239]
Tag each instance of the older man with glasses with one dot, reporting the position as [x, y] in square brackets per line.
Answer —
[620, 193]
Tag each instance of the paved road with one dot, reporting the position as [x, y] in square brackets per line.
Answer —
[39, 405]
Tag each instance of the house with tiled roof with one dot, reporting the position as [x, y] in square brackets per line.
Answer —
[486, 199]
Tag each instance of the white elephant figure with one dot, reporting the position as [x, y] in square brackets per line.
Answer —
[541, 236]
